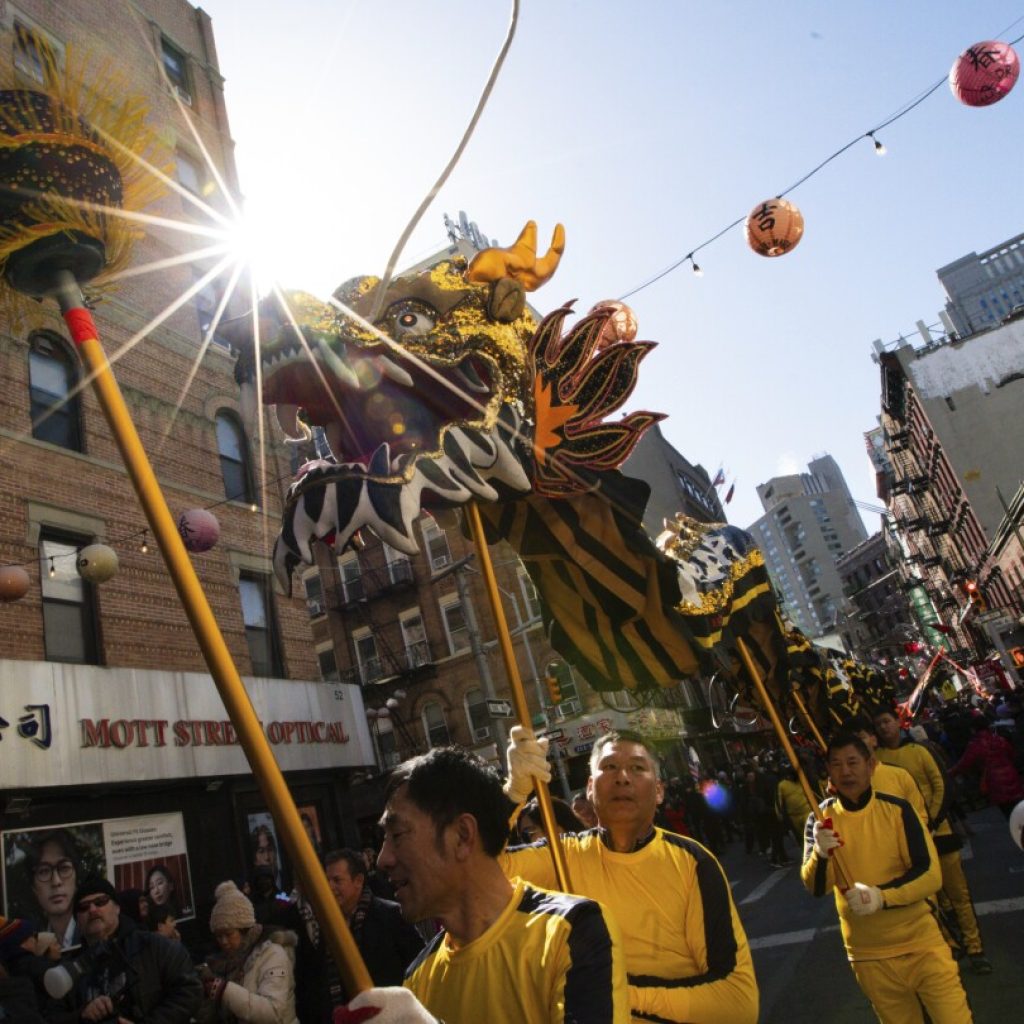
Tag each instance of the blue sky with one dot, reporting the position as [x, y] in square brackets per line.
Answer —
[646, 128]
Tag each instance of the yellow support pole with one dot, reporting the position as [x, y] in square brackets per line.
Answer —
[806, 715]
[218, 659]
[780, 731]
[515, 682]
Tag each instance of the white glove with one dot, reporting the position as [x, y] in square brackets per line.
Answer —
[392, 1006]
[826, 839]
[864, 899]
[527, 759]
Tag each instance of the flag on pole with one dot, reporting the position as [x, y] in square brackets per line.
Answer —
[731, 492]
[719, 478]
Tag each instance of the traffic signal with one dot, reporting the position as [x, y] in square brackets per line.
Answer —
[554, 676]
[973, 593]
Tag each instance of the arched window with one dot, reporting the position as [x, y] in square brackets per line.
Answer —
[234, 459]
[435, 726]
[53, 374]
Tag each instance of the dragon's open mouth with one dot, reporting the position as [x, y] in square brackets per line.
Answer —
[379, 407]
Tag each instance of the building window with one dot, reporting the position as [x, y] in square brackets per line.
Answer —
[436, 542]
[399, 567]
[328, 664]
[32, 52]
[477, 716]
[530, 595]
[70, 628]
[314, 596]
[456, 627]
[351, 577]
[260, 624]
[435, 726]
[53, 403]
[370, 668]
[414, 637]
[207, 302]
[234, 459]
[176, 68]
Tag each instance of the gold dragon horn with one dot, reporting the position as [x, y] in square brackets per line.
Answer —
[519, 261]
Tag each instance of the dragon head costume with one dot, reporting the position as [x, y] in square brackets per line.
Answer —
[440, 388]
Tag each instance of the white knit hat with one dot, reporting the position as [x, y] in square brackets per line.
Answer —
[232, 909]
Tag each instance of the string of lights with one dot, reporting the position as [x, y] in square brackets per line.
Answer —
[870, 135]
[143, 532]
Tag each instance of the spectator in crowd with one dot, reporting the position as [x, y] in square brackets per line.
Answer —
[135, 903]
[993, 756]
[22, 959]
[388, 943]
[509, 953]
[162, 889]
[53, 866]
[584, 810]
[890, 868]
[686, 952]
[162, 921]
[530, 825]
[251, 978]
[132, 975]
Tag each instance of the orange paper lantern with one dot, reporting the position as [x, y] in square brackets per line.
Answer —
[774, 227]
[14, 583]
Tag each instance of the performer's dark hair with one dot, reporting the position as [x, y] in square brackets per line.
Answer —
[622, 736]
[448, 781]
[847, 739]
[353, 858]
[860, 723]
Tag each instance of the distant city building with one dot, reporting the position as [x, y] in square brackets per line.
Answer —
[810, 521]
[983, 289]
[876, 612]
[677, 485]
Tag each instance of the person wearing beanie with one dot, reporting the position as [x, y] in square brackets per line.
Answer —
[252, 976]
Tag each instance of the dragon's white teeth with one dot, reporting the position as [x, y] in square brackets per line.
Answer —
[471, 380]
[288, 417]
[340, 369]
[393, 371]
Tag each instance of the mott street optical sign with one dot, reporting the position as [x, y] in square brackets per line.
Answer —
[80, 724]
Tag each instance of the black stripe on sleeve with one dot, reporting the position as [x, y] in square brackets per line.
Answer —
[589, 988]
[719, 936]
[920, 858]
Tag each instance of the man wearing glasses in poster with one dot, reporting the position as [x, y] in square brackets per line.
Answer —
[52, 866]
[123, 974]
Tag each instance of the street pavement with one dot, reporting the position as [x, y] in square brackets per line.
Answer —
[802, 970]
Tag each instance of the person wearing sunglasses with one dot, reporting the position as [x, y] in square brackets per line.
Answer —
[127, 974]
[52, 866]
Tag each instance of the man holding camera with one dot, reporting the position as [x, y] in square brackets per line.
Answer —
[124, 974]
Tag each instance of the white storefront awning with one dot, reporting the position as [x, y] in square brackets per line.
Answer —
[82, 724]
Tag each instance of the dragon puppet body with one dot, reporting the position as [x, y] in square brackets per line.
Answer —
[441, 388]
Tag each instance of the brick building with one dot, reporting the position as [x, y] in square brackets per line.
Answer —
[106, 710]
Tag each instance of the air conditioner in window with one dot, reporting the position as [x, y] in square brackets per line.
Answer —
[481, 734]
[183, 94]
[440, 561]
[569, 707]
[315, 608]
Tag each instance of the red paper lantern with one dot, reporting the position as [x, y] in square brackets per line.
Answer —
[14, 583]
[984, 73]
[774, 227]
[199, 529]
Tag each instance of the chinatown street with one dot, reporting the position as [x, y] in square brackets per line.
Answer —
[801, 966]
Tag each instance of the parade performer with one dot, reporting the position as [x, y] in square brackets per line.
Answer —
[686, 952]
[892, 939]
[508, 952]
[896, 749]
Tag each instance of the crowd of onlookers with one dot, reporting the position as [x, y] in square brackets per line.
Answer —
[268, 960]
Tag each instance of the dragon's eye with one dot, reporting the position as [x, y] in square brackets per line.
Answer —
[410, 317]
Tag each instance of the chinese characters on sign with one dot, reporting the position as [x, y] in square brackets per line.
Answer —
[33, 726]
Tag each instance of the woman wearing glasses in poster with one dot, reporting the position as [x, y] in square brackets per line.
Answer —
[52, 865]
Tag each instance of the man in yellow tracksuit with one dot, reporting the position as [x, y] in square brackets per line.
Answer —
[687, 957]
[917, 759]
[874, 851]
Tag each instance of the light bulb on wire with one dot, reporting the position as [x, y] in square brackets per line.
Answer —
[880, 149]
[144, 546]
[53, 571]
[696, 267]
